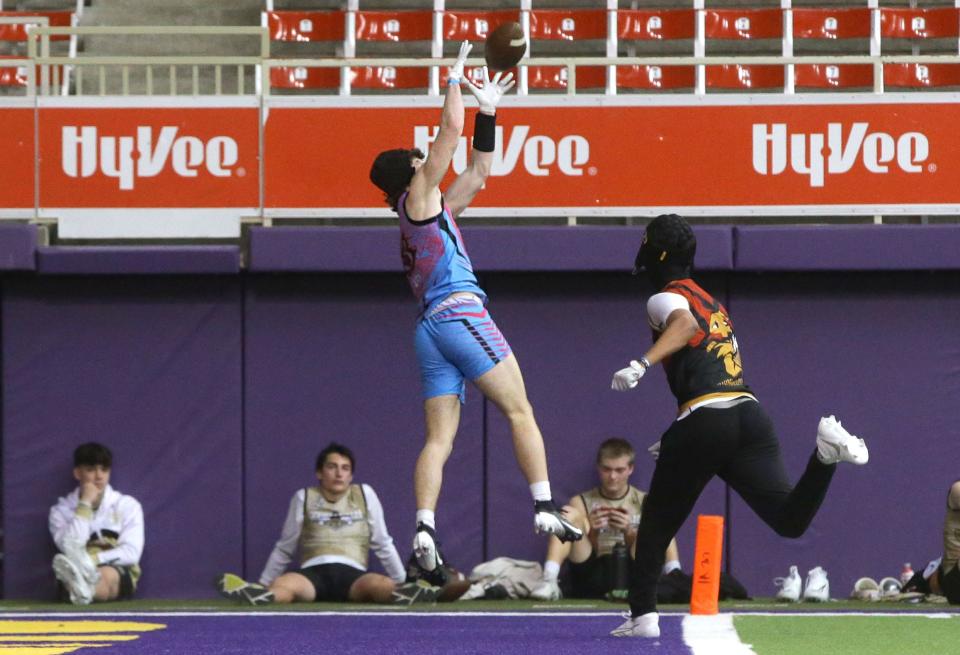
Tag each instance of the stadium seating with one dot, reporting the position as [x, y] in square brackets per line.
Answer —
[744, 31]
[921, 76]
[13, 38]
[305, 27]
[658, 28]
[920, 31]
[837, 30]
[551, 31]
[345, 29]
[835, 27]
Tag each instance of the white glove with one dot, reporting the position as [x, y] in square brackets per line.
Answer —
[490, 93]
[654, 450]
[627, 378]
[455, 73]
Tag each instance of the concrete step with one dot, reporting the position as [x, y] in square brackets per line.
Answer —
[170, 16]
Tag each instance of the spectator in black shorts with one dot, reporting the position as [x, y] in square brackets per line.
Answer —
[609, 515]
[333, 525]
[942, 576]
[98, 531]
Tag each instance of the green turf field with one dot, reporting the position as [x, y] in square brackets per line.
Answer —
[850, 635]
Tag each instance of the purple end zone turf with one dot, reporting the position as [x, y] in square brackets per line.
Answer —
[404, 632]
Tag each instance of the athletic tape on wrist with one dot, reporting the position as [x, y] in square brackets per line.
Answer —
[484, 132]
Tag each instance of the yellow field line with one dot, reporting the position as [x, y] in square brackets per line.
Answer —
[74, 637]
[83, 627]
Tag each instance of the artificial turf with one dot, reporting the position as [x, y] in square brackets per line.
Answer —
[851, 635]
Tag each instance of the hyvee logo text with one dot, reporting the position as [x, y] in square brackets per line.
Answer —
[127, 158]
[773, 147]
[540, 153]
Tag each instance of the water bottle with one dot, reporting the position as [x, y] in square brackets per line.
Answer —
[906, 574]
[619, 567]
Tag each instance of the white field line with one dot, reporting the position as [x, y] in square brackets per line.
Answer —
[417, 615]
[713, 635]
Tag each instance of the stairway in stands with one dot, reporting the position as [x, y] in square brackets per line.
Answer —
[164, 13]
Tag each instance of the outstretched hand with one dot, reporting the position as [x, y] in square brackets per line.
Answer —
[456, 71]
[490, 92]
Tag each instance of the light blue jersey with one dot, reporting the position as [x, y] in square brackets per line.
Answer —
[434, 257]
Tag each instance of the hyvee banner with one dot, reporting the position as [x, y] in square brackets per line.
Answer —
[642, 156]
[16, 160]
[149, 157]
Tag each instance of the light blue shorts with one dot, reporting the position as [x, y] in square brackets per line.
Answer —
[457, 341]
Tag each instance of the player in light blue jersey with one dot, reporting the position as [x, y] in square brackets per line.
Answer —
[456, 339]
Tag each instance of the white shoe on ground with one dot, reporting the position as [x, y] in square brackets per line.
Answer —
[835, 444]
[789, 586]
[81, 591]
[546, 590]
[866, 589]
[645, 625]
[817, 588]
[81, 559]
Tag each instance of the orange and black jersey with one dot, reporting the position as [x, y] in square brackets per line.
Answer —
[709, 365]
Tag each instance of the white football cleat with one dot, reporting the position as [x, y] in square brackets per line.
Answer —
[425, 548]
[789, 586]
[546, 590]
[866, 589]
[835, 444]
[81, 592]
[817, 588]
[547, 519]
[645, 625]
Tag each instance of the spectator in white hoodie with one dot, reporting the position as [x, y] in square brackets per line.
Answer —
[98, 531]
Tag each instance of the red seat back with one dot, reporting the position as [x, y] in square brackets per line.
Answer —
[921, 76]
[907, 23]
[10, 32]
[832, 23]
[394, 26]
[830, 76]
[305, 26]
[651, 24]
[743, 24]
[738, 76]
[474, 25]
[568, 24]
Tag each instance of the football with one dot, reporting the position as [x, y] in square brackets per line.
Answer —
[505, 46]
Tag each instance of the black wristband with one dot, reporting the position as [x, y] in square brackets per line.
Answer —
[484, 132]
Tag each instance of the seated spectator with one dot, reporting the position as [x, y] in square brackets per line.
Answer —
[98, 531]
[333, 526]
[942, 575]
[608, 515]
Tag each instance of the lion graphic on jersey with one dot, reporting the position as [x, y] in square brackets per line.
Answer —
[723, 344]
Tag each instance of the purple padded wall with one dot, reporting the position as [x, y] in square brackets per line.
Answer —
[847, 247]
[331, 358]
[18, 243]
[880, 352]
[150, 367]
[365, 249]
[136, 260]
